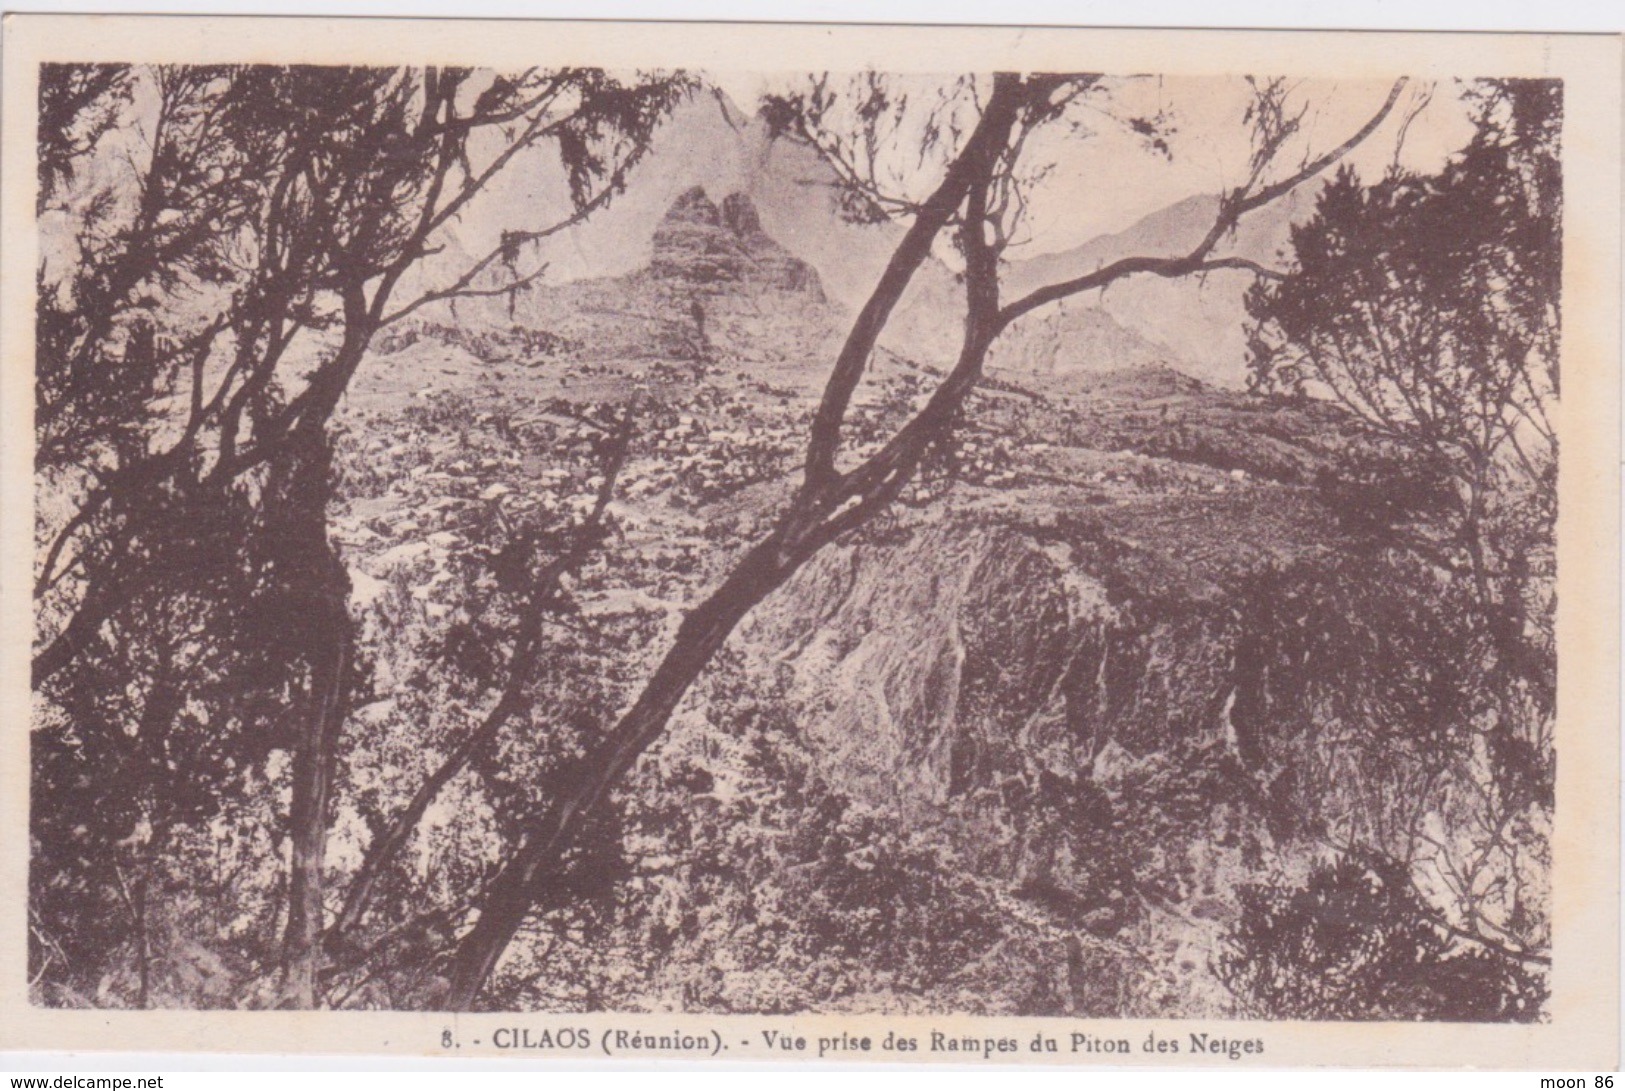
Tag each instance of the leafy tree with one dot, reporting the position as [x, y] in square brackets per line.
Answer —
[1428, 306]
[1356, 941]
[234, 237]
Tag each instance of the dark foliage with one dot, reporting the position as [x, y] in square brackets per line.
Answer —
[214, 224]
[1356, 941]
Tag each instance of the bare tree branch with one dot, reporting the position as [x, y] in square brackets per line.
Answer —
[1232, 207]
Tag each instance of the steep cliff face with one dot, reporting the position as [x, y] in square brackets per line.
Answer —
[959, 654]
[1093, 719]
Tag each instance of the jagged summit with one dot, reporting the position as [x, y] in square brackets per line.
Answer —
[692, 206]
[715, 248]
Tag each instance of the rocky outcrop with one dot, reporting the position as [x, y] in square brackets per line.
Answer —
[1075, 342]
[962, 656]
[1087, 737]
[717, 287]
[715, 249]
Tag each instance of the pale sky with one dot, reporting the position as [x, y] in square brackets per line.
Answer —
[1102, 183]
[1105, 183]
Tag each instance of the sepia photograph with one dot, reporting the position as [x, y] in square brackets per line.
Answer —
[958, 548]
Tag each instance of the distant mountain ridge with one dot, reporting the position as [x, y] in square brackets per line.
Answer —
[725, 211]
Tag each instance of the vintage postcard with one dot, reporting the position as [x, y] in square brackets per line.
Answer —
[872, 544]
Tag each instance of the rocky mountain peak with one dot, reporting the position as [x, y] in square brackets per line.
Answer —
[692, 206]
[712, 248]
[737, 213]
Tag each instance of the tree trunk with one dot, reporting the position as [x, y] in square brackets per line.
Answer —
[312, 792]
[404, 824]
[828, 504]
[699, 637]
[527, 650]
[322, 589]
